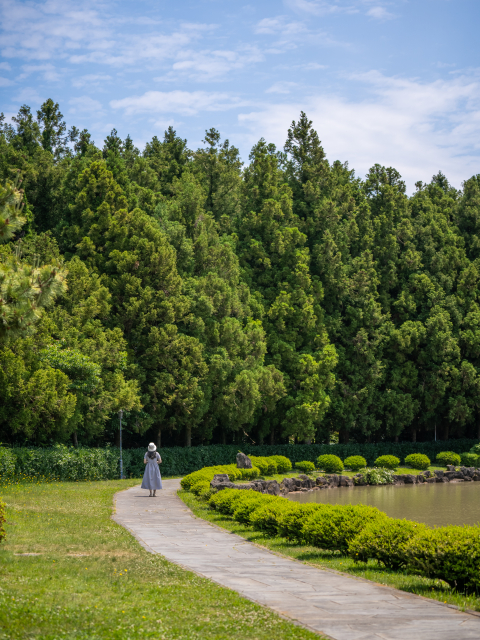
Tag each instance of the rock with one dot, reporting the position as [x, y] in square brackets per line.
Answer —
[442, 479]
[421, 478]
[288, 484]
[438, 473]
[321, 481]
[431, 480]
[428, 473]
[272, 488]
[398, 479]
[476, 476]
[345, 481]
[243, 461]
[410, 478]
[450, 467]
[450, 474]
[333, 480]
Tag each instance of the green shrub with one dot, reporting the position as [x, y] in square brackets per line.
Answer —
[200, 487]
[266, 516]
[224, 501]
[447, 553]
[387, 462]
[267, 466]
[291, 521]
[3, 533]
[469, 459]
[306, 466]
[448, 457]
[417, 461]
[250, 474]
[375, 476]
[7, 463]
[335, 526]
[475, 449]
[284, 465]
[246, 504]
[330, 463]
[385, 540]
[206, 474]
[355, 462]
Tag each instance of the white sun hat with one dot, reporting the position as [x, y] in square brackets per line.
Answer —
[152, 447]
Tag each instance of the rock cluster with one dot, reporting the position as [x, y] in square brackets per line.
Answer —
[305, 483]
[464, 474]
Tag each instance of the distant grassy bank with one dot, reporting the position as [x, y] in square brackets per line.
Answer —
[92, 580]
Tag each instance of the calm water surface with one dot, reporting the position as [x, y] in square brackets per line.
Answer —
[433, 504]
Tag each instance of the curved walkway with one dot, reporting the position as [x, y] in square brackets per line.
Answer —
[337, 605]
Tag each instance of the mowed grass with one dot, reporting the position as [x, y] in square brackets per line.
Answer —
[436, 589]
[92, 579]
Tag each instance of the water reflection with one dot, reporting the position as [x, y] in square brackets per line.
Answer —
[434, 504]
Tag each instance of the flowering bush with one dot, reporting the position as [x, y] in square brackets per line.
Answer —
[375, 476]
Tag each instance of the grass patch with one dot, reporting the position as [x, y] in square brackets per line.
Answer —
[92, 580]
[435, 589]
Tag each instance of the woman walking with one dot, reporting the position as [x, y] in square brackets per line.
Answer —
[151, 478]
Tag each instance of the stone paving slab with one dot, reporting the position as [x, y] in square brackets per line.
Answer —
[336, 605]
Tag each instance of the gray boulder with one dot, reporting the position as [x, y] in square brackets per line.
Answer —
[243, 461]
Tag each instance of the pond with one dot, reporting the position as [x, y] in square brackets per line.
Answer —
[434, 504]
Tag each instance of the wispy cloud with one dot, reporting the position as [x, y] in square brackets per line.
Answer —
[183, 102]
[320, 7]
[85, 104]
[91, 80]
[47, 71]
[415, 126]
[281, 87]
[380, 13]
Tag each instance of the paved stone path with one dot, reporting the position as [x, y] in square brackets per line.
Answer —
[339, 606]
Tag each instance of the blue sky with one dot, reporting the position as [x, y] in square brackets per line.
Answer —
[395, 81]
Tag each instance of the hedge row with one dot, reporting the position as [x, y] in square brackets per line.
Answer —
[449, 553]
[68, 463]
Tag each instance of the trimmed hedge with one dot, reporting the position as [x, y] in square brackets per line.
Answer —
[387, 462]
[3, 533]
[354, 463]
[306, 466]
[267, 465]
[102, 463]
[450, 553]
[330, 463]
[469, 459]
[448, 457]
[417, 461]
[385, 541]
[284, 465]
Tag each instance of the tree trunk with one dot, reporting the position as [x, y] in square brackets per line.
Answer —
[307, 441]
[75, 441]
[188, 436]
[224, 437]
[272, 436]
[396, 438]
[347, 436]
[414, 435]
[159, 437]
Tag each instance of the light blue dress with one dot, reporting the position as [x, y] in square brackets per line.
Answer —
[151, 478]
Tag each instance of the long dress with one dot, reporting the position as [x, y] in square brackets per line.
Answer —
[151, 478]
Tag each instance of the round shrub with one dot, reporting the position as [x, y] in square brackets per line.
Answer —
[330, 463]
[284, 465]
[385, 541]
[225, 500]
[448, 457]
[267, 465]
[469, 459]
[417, 461]
[250, 474]
[387, 462]
[476, 449]
[334, 526]
[306, 466]
[200, 487]
[355, 462]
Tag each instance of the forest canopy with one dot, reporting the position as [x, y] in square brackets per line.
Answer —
[284, 299]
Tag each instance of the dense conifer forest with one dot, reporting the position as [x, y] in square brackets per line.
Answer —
[284, 299]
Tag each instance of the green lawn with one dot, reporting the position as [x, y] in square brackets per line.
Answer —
[435, 589]
[92, 579]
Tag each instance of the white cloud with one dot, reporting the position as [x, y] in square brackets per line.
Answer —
[320, 7]
[380, 13]
[92, 79]
[28, 95]
[5, 66]
[5, 82]
[85, 104]
[280, 24]
[48, 72]
[281, 87]
[212, 65]
[184, 102]
[416, 127]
